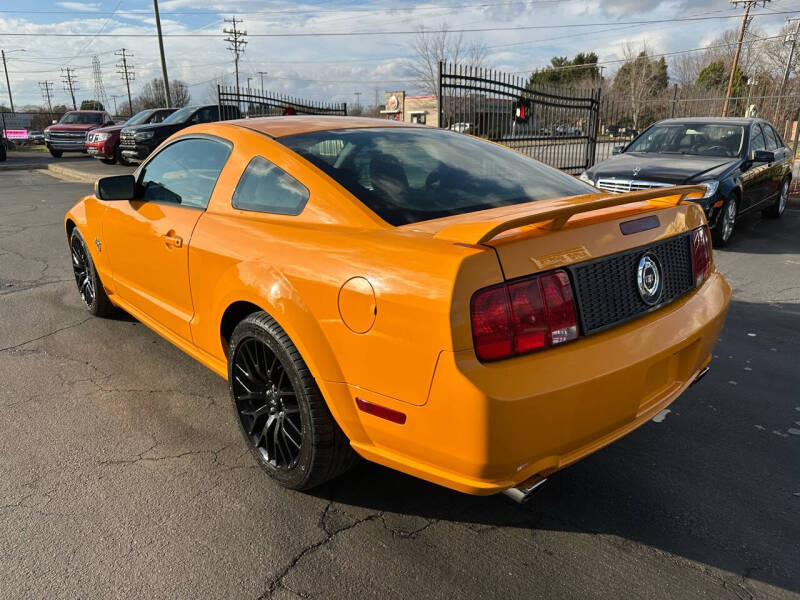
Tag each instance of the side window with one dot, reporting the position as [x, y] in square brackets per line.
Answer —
[265, 187]
[756, 138]
[184, 172]
[773, 139]
[777, 137]
[206, 115]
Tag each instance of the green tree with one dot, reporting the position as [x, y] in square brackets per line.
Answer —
[563, 71]
[91, 105]
[715, 76]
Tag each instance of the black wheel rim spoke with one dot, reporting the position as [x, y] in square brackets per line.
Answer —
[82, 271]
[267, 404]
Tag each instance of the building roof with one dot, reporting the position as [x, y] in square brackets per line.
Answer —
[291, 125]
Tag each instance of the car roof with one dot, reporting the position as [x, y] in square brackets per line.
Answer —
[277, 127]
[730, 120]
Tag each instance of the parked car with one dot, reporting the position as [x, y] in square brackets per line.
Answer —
[3, 152]
[103, 143]
[612, 130]
[69, 134]
[461, 127]
[35, 137]
[743, 164]
[365, 287]
[138, 141]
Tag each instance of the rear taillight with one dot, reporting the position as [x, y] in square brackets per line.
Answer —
[701, 255]
[523, 316]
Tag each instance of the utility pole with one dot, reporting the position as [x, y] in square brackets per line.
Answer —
[161, 50]
[748, 4]
[70, 83]
[788, 69]
[125, 69]
[237, 43]
[114, 99]
[47, 87]
[8, 84]
[358, 98]
[262, 73]
[248, 82]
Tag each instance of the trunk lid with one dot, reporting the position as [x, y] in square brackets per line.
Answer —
[548, 234]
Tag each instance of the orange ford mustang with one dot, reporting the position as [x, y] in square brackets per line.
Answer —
[424, 299]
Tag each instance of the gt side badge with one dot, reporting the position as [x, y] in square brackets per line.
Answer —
[97, 243]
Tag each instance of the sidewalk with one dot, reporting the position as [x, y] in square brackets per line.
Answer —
[75, 166]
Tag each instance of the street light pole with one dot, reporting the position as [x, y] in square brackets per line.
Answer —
[262, 73]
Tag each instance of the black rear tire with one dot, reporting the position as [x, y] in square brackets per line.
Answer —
[271, 388]
[776, 210]
[88, 281]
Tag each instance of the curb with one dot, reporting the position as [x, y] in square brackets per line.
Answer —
[24, 167]
[72, 173]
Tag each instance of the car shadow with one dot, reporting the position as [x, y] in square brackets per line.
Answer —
[756, 234]
[714, 482]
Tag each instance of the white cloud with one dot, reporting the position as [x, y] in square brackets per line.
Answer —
[80, 6]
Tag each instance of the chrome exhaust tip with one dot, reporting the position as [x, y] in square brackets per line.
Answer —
[524, 490]
[703, 372]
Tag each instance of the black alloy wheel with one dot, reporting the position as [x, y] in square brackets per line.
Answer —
[267, 404]
[283, 417]
[88, 281]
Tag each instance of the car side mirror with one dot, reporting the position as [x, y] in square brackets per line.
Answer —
[116, 187]
[762, 156]
[618, 150]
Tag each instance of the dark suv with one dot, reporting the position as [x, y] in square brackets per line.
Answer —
[137, 142]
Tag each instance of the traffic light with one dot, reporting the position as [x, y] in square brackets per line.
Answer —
[522, 110]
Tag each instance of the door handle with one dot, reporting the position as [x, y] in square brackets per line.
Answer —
[171, 240]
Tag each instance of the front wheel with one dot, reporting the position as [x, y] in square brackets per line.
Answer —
[55, 153]
[776, 210]
[723, 229]
[121, 159]
[88, 281]
[282, 414]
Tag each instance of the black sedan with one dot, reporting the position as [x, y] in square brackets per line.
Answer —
[743, 163]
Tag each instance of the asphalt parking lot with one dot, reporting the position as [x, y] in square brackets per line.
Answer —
[123, 473]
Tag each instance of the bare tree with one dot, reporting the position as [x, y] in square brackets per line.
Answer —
[639, 79]
[442, 45]
[152, 94]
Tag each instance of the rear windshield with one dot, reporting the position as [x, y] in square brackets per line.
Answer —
[407, 175]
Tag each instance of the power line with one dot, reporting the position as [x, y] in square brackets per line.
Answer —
[406, 32]
[70, 83]
[237, 43]
[125, 69]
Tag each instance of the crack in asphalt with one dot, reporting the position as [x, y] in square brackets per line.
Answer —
[41, 337]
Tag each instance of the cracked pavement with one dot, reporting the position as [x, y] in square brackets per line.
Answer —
[123, 473]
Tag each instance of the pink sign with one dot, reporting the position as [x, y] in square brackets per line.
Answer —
[16, 134]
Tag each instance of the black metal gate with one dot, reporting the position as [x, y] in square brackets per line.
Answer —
[555, 125]
[262, 103]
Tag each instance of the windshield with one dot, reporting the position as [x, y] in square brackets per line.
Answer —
[701, 139]
[83, 118]
[407, 175]
[179, 116]
[139, 117]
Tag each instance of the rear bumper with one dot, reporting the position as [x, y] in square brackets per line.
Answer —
[488, 427]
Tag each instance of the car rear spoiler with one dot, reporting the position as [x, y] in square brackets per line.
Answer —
[560, 211]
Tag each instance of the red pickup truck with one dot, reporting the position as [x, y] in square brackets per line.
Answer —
[69, 134]
[103, 143]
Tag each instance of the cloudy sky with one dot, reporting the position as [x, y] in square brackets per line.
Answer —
[522, 35]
